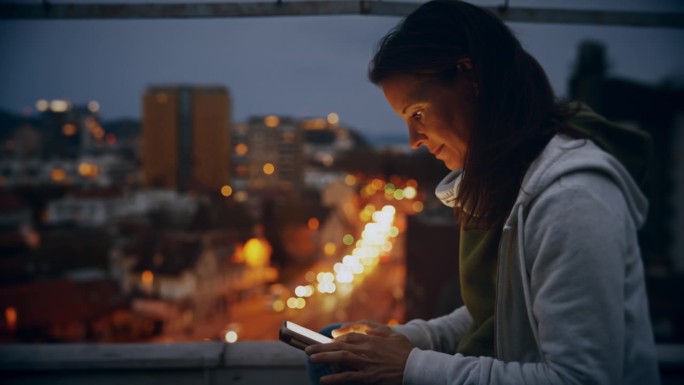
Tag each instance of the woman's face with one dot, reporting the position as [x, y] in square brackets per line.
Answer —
[439, 116]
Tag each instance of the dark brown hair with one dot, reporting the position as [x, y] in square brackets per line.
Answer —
[516, 110]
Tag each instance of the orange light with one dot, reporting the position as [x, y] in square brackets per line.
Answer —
[84, 169]
[241, 149]
[269, 168]
[412, 183]
[350, 180]
[417, 206]
[278, 305]
[329, 249]
[313, 223]
[88, 170]
[11, 318]
[239, 255]
[98, 132]
[226, 191]
[271, 121]
[57, 175]
[69, 129]
[257, 252]
[147, 277]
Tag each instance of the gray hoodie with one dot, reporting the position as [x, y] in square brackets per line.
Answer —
[571, 303]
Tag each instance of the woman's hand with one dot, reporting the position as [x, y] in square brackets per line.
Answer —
[360, 327]
[378, 357]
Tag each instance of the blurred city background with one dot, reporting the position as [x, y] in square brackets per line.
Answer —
[207, 179]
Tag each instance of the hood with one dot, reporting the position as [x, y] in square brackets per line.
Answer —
[621, 153]
[564, 155]
[447, 189]
[631, 146]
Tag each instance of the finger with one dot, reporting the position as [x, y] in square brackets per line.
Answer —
[383, 331]
[358, 327]
[342, 357]
[327, 347]
[351, 338]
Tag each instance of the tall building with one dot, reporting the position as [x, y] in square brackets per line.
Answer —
[185, 137]
[269, 155]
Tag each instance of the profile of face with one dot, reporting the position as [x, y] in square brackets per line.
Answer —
[439, 115]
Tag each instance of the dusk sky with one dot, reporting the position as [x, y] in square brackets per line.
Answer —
[296, 66]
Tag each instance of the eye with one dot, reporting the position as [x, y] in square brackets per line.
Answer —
[418, 115]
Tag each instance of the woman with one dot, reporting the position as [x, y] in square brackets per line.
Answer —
[551, 274]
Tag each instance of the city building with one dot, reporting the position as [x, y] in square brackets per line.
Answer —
[184, 280]
[269, 155]
[185, 137]
[95, 206]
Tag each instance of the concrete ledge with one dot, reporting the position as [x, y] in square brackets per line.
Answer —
[149, 356]
[110, 356]
[201, 363]
[263, 353]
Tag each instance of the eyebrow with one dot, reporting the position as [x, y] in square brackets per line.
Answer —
[403, 112]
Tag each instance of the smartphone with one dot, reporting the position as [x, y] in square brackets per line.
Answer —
[299, 336]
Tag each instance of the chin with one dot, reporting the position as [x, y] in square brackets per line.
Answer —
[453, 166]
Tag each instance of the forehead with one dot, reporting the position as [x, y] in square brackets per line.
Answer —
[406, 89]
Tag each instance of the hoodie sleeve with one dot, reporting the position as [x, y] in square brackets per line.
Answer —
[575, 243]
[440, 334]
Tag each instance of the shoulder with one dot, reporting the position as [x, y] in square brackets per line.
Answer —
[576, 173]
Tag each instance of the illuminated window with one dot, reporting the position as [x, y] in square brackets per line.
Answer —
[57, 174]
[313, 224]
[69, 129]
[271, 121]
[59, 105]
[241, 149]
[269, 168]
[226, 191]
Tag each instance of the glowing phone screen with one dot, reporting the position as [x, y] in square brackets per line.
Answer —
[308, 333]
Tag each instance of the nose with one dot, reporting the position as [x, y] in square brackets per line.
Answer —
[415, 138]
